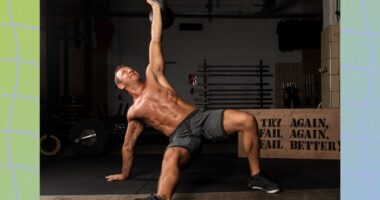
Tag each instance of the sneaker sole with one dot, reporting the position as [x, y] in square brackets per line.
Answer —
[267, 191]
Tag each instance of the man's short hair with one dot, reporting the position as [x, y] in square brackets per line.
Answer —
[117, 81]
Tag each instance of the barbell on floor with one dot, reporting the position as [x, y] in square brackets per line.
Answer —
[88, 137]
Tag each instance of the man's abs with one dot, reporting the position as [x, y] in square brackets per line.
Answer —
[162, 109]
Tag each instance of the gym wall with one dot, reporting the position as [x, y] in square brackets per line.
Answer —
[222, 42]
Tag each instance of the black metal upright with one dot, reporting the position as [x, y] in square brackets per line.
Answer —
[52, 63]
[88, 52]
[66, 60]
[205, 83]
[261, 85]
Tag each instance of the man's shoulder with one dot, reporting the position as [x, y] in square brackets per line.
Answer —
[151, 77]
[154, 71]
[131, 113]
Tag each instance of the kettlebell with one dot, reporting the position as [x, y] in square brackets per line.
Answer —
[167, 14]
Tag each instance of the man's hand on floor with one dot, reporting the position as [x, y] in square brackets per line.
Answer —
[116, 177]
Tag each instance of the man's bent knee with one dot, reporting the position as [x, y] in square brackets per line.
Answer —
[237, 121]
[176, 156]
[249, 121]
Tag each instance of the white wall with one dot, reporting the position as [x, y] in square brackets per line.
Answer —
[222, 42]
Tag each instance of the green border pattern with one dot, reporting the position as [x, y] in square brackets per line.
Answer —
[360, 82]
[19, 99]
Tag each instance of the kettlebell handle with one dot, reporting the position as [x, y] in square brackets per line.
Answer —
[163, 4]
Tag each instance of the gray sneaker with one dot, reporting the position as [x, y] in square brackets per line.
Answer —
[150, 197]
[264, 183]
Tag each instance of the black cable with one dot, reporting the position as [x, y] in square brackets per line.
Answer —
[119, 47]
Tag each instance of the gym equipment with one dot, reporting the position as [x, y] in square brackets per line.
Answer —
[232, 70]
[227, 99]
[192, 79]
[291, 99]
[232, 103]
[310, 90]
[210, 84]
[70, 110]
[50, 145]
[167, 14]
[230, 87]
[230, 90]
[88, 137]
[232, 94]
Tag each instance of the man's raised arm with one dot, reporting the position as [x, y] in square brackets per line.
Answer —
[156, 60]
[133, 132]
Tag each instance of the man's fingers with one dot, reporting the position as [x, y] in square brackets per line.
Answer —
[114, 178]
[109, 179]
[152, 2]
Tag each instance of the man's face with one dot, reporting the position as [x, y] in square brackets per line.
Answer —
[127, 75]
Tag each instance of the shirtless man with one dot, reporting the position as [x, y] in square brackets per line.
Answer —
[156, 104]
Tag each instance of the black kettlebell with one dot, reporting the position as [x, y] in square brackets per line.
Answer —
[167, 14]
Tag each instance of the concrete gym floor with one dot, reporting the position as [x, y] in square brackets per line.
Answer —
[212, 176]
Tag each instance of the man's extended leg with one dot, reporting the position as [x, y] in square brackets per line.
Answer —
[174, 159]
[245, 123]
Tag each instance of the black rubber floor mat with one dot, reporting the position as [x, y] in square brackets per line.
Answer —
[210, 173]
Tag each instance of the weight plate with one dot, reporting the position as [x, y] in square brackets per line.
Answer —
[88, 137]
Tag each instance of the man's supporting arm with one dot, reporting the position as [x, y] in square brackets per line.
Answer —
[133, 132]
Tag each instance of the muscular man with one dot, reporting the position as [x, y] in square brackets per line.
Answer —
[156, 104]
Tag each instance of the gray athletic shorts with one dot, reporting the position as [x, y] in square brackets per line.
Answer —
[199, 124]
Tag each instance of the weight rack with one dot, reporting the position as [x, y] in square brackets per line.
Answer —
[212, 91]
